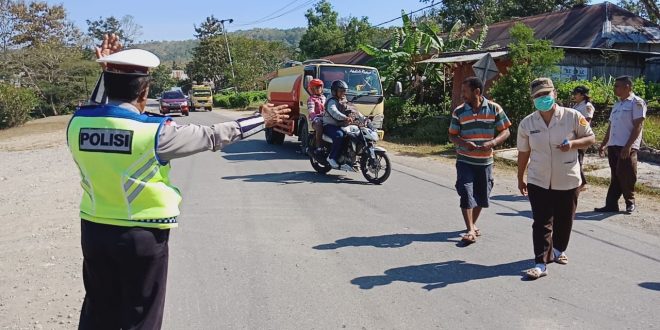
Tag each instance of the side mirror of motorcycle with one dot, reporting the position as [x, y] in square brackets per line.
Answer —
[398, 88]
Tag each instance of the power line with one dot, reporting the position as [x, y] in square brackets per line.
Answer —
[410, 13]
[306, 3]
[271, 14]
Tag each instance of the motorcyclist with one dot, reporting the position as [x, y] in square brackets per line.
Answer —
[316, 108]
[336, 116]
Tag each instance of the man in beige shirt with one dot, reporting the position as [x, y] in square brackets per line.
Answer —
[548, 140]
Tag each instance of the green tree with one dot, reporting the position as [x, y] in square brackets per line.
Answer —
[161, 80]
[645, 8]
[37, 23]
[126, 28]
[477, 12]
[254, 59]
[210, 62]
[324, 35]
[531, 58]
[211, 27]
[356, 32]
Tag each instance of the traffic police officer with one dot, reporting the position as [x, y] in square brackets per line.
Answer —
[623, 139]
[129, 204]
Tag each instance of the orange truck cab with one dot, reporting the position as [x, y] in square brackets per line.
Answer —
[290, 87]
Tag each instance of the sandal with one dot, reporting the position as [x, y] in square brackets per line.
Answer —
[477, 232]
[536, 273]
[469, 238]
[562, 259]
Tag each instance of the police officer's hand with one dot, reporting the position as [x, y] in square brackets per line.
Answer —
[522, 186]
[110, 45]
[274, 115]
[625, 153]
[601, 150]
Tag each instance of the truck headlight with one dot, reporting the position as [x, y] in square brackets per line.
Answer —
[377, 121]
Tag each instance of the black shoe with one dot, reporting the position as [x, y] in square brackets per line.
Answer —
[606, 209]
[630, 208]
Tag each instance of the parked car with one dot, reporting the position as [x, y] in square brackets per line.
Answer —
[174, 101]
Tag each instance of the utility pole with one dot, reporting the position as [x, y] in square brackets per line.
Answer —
[231, 64]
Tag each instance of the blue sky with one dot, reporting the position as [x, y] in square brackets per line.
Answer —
[173, 20]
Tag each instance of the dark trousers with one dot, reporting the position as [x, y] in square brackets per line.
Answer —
[337, 135]
[581, 160]
[553, 212]
[624, 177]
[125, 275]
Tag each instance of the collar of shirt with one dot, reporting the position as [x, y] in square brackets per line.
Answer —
[124, 105]
[559, 112]
[484, 104]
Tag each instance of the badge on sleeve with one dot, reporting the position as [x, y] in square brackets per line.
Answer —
[583, 122]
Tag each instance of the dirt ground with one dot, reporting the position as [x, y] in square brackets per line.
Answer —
[40, 264]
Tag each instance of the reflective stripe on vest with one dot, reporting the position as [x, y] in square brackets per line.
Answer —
[124, 182]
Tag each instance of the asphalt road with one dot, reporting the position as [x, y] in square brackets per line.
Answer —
[265, 243]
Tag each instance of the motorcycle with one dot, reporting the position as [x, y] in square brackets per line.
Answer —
[359, 150]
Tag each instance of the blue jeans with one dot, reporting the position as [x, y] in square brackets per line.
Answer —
[337, 135]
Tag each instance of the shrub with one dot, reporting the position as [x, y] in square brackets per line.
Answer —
[240, 100]
[15, 105]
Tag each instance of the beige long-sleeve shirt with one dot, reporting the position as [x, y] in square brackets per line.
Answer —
[549, 167]
[177, 141]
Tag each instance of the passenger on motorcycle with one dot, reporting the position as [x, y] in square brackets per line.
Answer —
[335, 117]
[315, 108]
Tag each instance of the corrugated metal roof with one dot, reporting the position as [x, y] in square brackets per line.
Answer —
[464, 57]
[596, 26]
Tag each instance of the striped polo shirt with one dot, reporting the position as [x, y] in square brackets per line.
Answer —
[478, 127]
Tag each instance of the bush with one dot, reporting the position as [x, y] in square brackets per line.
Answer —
[400, 112]
[15, 105]
[651, 132]
[240, 100]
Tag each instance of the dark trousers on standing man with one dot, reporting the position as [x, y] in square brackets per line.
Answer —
[125, 274]
[553, 212]
[581, 160]
[624, 177]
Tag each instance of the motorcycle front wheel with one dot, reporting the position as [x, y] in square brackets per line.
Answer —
[377, 170]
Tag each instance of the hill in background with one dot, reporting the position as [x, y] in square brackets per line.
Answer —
[180, 51]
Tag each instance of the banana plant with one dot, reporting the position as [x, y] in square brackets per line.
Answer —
[412, 43]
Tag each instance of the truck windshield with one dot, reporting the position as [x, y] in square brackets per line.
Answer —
[201, 93]
[361, 81]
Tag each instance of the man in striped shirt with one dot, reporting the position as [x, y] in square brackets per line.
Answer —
[477, 126]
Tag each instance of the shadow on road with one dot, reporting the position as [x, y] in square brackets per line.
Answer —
[442, 274]
[594, 216]
[295, 177]
[510, 198]
[655, 286]
[524, 214]
[390, 241]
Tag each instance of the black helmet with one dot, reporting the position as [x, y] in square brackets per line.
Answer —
[338, 84]
[582, 90]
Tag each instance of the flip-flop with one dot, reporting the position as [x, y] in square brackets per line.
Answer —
[477, 232]
[562, 259]
[536, 273]
[468, 238]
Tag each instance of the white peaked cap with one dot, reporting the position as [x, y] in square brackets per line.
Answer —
[132, 58]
